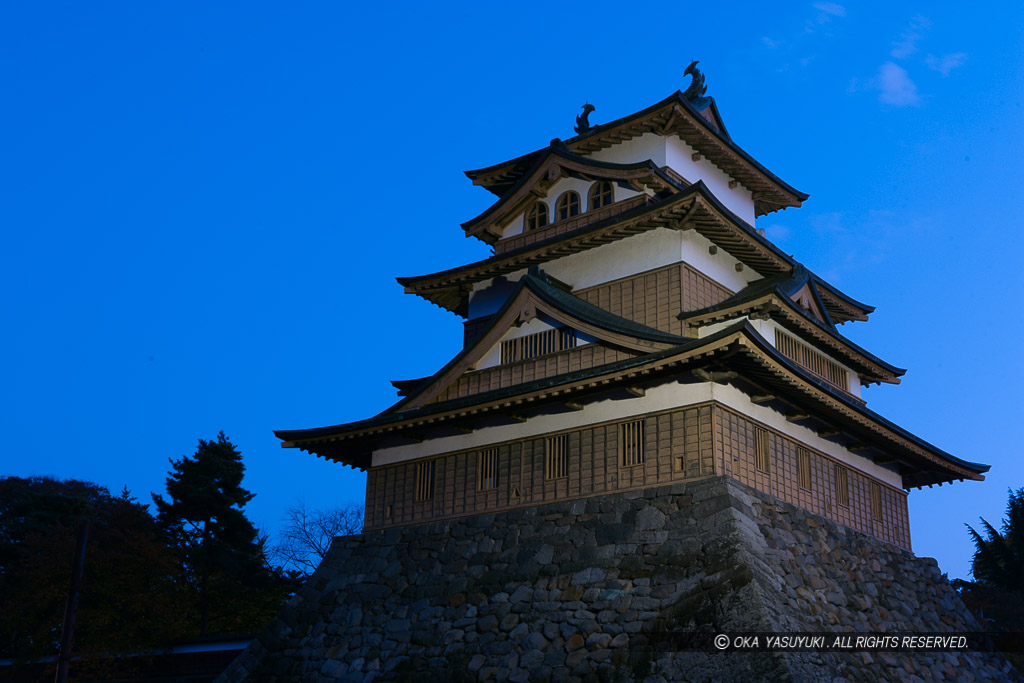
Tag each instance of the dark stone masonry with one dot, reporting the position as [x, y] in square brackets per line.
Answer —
[600, 588]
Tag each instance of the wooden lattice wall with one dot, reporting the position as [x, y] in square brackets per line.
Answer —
[687, 443]
[677, 446]
[735, 440]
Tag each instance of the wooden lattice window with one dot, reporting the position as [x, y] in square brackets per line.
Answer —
[425, 480]
[842, 485]
[600, 195]
[487, 469]
[876, 500]
[761, 456]
[539, 344]
[811, 360]
[537, 216]
[556, 457]
[803, 468]
[631, 440]
[568, 206]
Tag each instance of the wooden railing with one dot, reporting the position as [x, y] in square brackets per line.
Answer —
[811, 360]
[569, 224]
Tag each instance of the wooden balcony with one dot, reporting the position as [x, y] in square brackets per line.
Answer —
[569, 224]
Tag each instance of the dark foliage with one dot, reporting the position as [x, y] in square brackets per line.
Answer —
[999, 557]
[129, 600]
[996, 596]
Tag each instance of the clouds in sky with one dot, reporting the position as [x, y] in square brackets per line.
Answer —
[832, 8]
[825, 13]
[907, 43]
[895, 86]
[946, 63]
[893, 82]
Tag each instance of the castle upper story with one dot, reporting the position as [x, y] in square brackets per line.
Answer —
[633, 327]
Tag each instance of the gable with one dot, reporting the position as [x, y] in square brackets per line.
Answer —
[539, 308]
[807, 299]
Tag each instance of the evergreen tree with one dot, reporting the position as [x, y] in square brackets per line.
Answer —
[223, 560]
[996, 596]
[999, 559]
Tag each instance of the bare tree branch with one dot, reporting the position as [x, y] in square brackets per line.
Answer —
[307, 534]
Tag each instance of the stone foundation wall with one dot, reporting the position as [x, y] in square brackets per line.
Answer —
[593, 588]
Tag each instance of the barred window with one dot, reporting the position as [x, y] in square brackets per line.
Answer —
[539, 344]
[425, 480]
[537, 216]
[631, 441]
[761, 458]
[600, 195]
[568, 206]
[487, 469]
[842, 485]
[556, 457]
[876, 500]
[803, 468]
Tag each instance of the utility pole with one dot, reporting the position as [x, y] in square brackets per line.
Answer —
[68, 627]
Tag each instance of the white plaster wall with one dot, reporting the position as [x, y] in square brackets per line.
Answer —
[720, 267]
[622, 258]
[664, 397]
[619, 259]
[647, 146]
[581, 187]
[671, 151]
[680, 159]
[646, 251]
[762, 327]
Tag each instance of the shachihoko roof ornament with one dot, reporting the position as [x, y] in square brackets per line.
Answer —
[582, 123]
[697, 87]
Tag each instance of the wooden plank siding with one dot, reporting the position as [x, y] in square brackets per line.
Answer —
[735, 439]
[569, 360]
[656, 297]
[681, 444]
[676, 446]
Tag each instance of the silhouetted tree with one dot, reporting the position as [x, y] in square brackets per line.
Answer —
[307, 534]
[129, 601]
[996, 596]
[222, 560]
[999, 558]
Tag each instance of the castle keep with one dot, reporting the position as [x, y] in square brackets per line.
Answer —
[654, 428]
[633, 328]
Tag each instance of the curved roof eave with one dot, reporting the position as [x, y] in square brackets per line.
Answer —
[784, 286]
[770, 350]
[698, 187]
[743, 328]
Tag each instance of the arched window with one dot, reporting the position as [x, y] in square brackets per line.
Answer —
[600, 195]
[537, 216]
[568, 206]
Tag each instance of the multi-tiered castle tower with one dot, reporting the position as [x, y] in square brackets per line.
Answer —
[634, 328]
[654, 432]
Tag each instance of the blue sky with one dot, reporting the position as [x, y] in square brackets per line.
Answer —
[204, 206]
